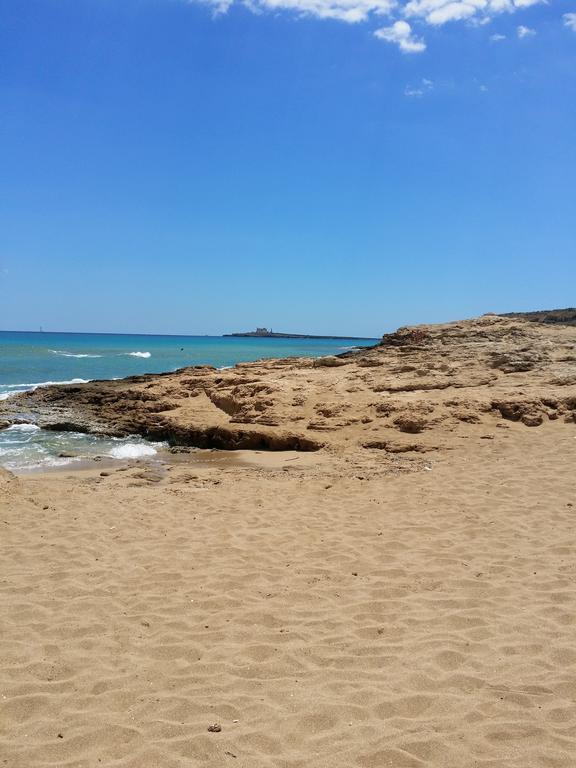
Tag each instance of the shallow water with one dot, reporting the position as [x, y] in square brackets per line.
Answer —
[25, 446]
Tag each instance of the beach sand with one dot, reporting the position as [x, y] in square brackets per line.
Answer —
[352, 606]
[318, 616]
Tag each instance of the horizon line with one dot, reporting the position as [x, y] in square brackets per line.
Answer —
[187, 335]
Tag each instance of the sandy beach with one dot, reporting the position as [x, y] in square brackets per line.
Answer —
[398, 592]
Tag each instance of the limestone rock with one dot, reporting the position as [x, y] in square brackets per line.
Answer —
[464, 376]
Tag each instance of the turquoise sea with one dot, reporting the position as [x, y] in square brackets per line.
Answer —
[30, 360]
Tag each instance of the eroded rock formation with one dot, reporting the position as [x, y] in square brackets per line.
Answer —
[425, 381]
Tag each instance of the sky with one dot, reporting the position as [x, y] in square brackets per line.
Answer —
[316, 166]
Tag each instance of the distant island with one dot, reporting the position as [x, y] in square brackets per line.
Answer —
[264, 333]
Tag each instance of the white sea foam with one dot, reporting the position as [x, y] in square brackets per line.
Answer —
[71, 354]
[6, 395]
[25, 464]
[139, 354]
[45, 384]
[55, 461]
[132, 451]
[23, 428]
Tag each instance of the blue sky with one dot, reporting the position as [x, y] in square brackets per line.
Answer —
[327, 166]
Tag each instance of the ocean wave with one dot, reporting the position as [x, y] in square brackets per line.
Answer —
[25, 464]
[132, 451]
[23, 428]
[35, 384]
[71, 354]
[138, 354]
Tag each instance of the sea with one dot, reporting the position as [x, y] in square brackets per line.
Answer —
[38, 359]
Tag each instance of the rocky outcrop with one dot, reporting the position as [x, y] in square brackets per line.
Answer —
[427, 380]
[549, 316]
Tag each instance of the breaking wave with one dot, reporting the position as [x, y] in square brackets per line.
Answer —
[71, 354]
[132, 451]
[63, 353]
[36, 384]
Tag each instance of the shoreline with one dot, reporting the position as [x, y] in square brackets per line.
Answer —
[167, 458]
[417, 385]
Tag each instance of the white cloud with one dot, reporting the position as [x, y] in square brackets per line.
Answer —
[497, 38]
[401, 33]
[351, 11]
[345, 10]
[412, 91]
[438, 12]
[479, 21]
[402, 15]
[522, 31]
[415, 91]
[570, 21]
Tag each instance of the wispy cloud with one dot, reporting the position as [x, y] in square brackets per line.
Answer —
[439, 12]
[497, 38]
[416, 91]
[570, 21]
[401, 33]
[351, 11]
[522, 32]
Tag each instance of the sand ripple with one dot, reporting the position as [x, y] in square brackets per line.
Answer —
[412, 621]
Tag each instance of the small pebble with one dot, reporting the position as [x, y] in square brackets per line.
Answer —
[215, 728]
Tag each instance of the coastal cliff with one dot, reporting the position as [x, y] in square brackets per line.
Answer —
[407, 393]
